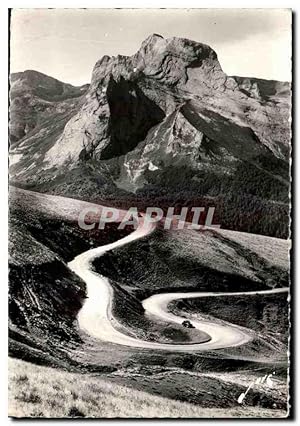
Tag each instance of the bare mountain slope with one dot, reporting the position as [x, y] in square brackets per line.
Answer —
[44, 294]
[37, 103]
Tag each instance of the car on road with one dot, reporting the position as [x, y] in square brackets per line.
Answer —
[187, 324]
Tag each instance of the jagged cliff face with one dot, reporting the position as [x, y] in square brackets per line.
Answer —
[169, 106]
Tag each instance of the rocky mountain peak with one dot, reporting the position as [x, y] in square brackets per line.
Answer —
[147, 118]
[129, 95]
[168, 60]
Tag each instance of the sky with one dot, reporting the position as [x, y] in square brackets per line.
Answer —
[66, 43]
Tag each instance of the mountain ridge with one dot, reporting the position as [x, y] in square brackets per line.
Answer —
[168, 106]
[35, 97]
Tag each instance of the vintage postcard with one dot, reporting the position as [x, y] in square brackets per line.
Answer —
[150, 155]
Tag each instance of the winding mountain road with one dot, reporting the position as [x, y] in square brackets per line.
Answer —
[95, 317]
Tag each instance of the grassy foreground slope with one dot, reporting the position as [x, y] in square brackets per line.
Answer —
[36, 391]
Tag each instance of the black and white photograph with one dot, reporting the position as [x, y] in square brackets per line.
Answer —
[150, 213]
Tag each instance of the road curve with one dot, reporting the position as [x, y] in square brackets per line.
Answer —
[158, 304]
[95, 317]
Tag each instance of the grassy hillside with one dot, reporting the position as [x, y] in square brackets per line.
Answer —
[43, 392]
[206, 260]
[185, 260]
[44, 294]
